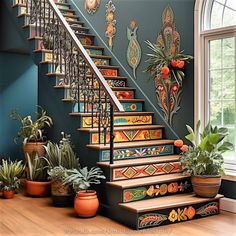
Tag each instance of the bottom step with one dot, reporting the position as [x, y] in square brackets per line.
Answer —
[166, 210]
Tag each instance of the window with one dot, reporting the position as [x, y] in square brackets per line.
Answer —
[216, 93]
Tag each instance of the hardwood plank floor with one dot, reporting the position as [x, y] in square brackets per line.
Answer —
[36, 217]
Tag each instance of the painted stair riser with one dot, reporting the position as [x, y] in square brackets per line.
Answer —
[137, 152]
[176, 215]
[140, 171]
[92, 51]
[147, 191]
[128, 106]
[127, 120]
[156, 191]
[47, 56]
[128, 136]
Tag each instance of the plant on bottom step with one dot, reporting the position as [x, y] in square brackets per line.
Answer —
[10, 173]
[204, 159]
[86, 202]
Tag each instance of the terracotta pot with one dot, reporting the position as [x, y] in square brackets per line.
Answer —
[34, 147]
[38, 189]
[8, 194]
[86, 203]
[206, 185]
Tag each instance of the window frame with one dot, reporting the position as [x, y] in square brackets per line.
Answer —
[201, 44]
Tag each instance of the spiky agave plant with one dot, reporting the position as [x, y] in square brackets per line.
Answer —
[10, 173]
[82, 179]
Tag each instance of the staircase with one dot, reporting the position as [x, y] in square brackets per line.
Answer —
[144, 187]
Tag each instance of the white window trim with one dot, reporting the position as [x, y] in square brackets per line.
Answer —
[200, 67]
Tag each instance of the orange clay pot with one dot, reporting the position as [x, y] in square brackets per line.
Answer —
[34, 147]
[37, 189]
[86, 203]
[8, 194]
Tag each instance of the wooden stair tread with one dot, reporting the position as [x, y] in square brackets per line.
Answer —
[113, 88]
[133, 113]
[93, 47]
[124, 128]
[107, 67]
[100, 56]
[121, 100]
[165, 202]
[132, 144]
[140, 161]
[85, 34]
[147, 181]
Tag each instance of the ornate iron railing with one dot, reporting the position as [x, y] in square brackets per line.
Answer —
[88, 88]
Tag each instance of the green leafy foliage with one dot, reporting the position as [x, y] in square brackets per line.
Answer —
[82, 179]
[205, 156]
[62, 154]
[160, 57]
[32, 131]
[57, 172]
[37, 168]
[10, 173]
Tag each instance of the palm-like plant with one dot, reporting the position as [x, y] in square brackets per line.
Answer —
[82, 179]
[10, 173]
[37, 168]
[32, 131]
[162, 57]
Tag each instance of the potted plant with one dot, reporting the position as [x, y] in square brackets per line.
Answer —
[61, 158]
[203, 160]
[37, 184]
[86, 202]
[32, 131]
[10, 173]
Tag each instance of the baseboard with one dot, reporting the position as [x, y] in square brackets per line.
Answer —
[228, 204]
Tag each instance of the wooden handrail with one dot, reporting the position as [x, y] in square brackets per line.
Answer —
[113, 99]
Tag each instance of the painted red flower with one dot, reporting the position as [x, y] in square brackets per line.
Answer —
[178, 143]
[180, 64]
[165, 70]
[127, 196]
[184, 148]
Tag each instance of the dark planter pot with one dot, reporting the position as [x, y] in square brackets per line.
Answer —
[63, 200]
[38, 189]
[206, 185]
[86, 203]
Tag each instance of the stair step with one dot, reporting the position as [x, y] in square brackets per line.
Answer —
[131, 144]
[140, 168]
[120, 119]
[148, 188]
[126, 133]
[153, 180]
[142, 161]
[166, 202]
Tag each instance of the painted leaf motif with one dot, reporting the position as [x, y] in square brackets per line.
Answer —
[209, 209]
[152, 219]
[130, 195]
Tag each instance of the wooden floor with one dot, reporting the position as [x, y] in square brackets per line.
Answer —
[26, 216]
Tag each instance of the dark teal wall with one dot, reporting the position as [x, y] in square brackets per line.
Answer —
[148, 13]
[18, 89]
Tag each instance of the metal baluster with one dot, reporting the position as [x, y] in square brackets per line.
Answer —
[99, 113]
[93, 98]
[112, 136]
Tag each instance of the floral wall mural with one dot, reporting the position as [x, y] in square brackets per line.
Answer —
[91, 6]
[166, 66]
[134, 51]
[111, 22]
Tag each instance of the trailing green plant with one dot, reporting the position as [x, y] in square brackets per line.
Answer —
[32, 131]
[62, 154]
[57, 172]
[37, 168]
[205, 157]
[82, 179]
[10, 173]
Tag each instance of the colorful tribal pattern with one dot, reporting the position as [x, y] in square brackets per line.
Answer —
[109, 72]
[136, 107]
[151, 151]
[134, 51]
[124, 94]
[168, 216]
[145, 171]
[153, 191]
[130, 135]
[94, 51]
[91, 6]
[100, 62]
[111, 22]
[119, 121]
[168, 93]
[116, 83]
[86, 40]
